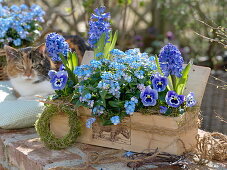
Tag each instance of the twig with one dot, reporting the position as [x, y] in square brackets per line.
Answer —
[220, 117]
[74, 17]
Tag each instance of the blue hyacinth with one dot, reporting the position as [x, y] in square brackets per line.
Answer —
[98, 25]
[171, 61]
[56, 45]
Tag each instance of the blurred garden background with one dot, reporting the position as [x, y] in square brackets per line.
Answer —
[197, 27]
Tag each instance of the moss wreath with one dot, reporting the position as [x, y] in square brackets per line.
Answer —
[42, 126]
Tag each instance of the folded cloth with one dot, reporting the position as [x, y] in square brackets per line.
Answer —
[17, 113]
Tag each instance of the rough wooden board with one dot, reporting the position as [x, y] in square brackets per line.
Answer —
[197, 81]
[88, 56]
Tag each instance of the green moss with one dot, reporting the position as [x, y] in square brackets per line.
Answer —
[42, 126]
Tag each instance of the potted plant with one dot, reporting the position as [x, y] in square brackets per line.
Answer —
[129, 100]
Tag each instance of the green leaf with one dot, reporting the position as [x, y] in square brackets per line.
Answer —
[103, 94]
[107, 47]
[70, 63]
[115, 103]
[75, 60]
[100, 44]
[63, 59]
[114, 40]
[158, 65]
[70, 72]
[162, 96]
[77, 103]
[183, 80]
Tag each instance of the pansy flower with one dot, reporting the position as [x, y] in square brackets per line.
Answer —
[149, 96]
[159, 83]
[190, 100]
[173, 99]
[58, 79]
[62, 68]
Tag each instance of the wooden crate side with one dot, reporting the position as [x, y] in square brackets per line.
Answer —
[197, 82]
[136, 140]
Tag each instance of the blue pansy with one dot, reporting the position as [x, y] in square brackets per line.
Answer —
[58, 79]
[56, 45]
[115, 120]
[159, 83]
[163, 109]
[171, 61]
[62, 68]
[90, 121]
[173, 99]
[190, 100]
[149, 96]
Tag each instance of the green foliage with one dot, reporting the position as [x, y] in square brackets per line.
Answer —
[105, 47]
[181, 83]
[70, 63]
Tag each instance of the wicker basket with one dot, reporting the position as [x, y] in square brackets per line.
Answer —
[3, 74]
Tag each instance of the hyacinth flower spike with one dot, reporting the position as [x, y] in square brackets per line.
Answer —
[149, 96]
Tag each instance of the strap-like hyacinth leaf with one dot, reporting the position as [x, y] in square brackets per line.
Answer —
[66, 64]
[158, 65]
[183, 80]
[113, 42]
[100, 45]
[70, 64]
[107, 47]
[75, 60]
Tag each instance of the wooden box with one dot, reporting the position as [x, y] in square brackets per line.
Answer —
[141, 133]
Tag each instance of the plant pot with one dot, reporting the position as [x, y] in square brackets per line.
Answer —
[140, 132]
